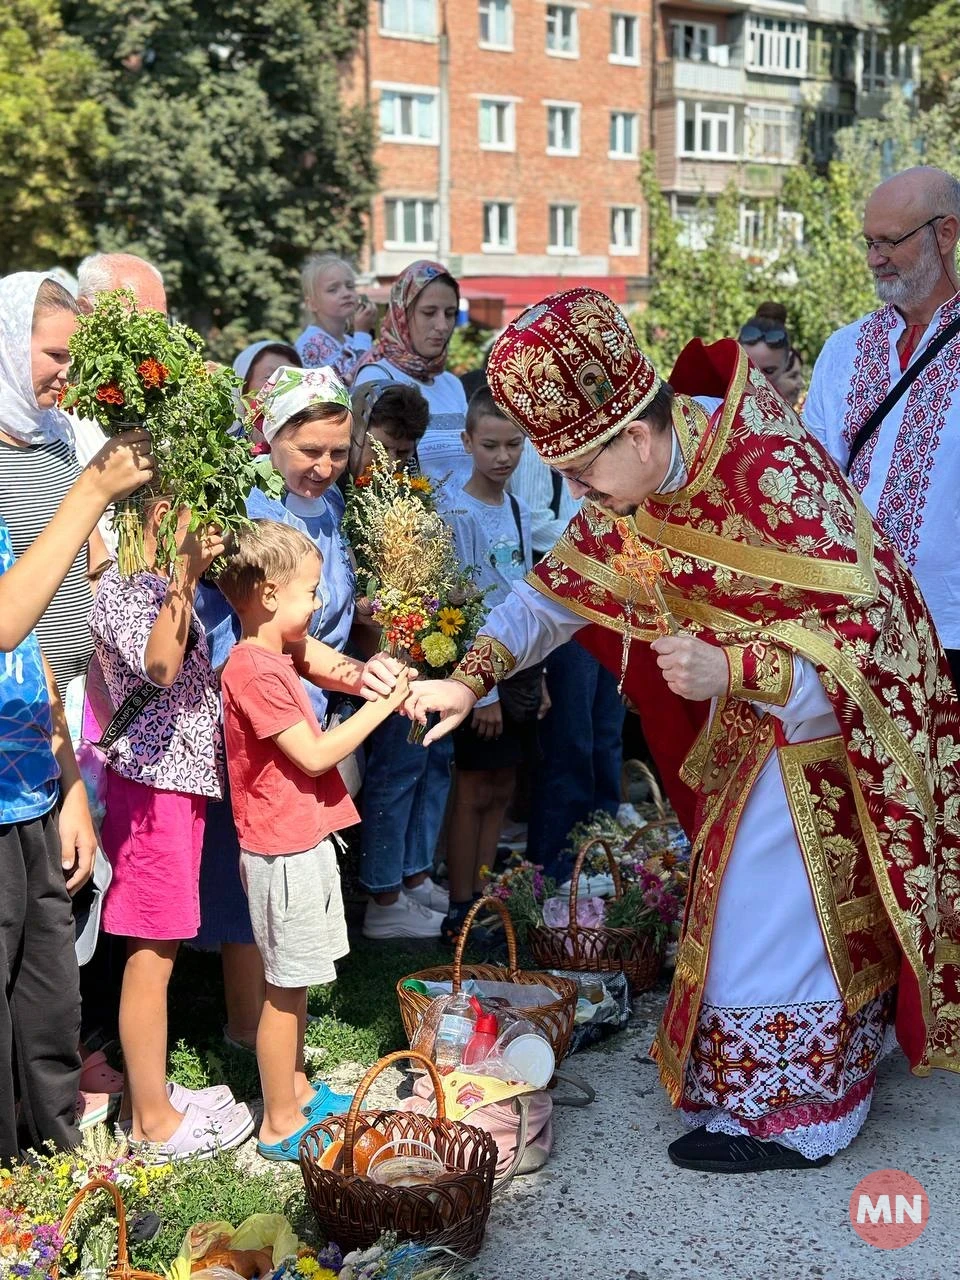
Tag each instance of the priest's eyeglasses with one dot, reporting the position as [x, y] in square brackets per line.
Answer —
[884, 245]
[578, 478]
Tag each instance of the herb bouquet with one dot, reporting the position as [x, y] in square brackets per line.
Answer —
[131, 368]
[425, 602]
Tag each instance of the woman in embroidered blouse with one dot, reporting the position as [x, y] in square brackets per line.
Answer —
[330, 296]
[412, 348]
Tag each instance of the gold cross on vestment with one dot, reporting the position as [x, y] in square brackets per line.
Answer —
[644, 567]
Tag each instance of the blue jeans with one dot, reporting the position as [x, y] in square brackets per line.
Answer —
[581, 753]
[405, 792]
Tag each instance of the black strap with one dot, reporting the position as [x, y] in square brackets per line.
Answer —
[515, 508]
[869, 428]
[136, 702]
[556, 480]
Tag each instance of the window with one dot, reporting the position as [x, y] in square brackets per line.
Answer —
[496, 24]
[408, 115]
[884, 64]
[695, 220]
[707, 130]
[772, 134]
[777, 46]
[823, 133]
[562, 30]
[411, 224]
[694, 41]
[768, 230]
[624, 38]
[563, 229]
[496, 125]
[624, 134]
[498, 234]
[408, 17]
[624, 229]
[563, 129]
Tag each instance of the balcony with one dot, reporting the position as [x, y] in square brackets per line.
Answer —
[678, 78]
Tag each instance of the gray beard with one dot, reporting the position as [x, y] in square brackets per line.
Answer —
[910, 288]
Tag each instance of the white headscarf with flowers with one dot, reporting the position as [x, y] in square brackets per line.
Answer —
[289, 391]
[20, 415]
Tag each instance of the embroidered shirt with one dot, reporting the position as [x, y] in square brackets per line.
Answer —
[440, 452]
[318, 349]
[175, 744]
[909, 473]
[28, 769]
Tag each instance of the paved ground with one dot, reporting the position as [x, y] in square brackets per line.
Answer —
[610, 1206]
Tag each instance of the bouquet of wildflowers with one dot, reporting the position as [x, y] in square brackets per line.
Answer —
[28, 1249]
[388, 1259]
[423, 599]
[131, 368]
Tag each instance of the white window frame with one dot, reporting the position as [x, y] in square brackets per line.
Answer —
[509, 142]
[619, 23]
[555, 13]
[633, 248]
[413, 91]
[560, 249]
[704, 37]
[484, 9]
[574, 109]
[761, 234]
[877, 56]
[757, 119]
[406, 34]
[711, 112]
[775, 46]
[617, 152]
[420, 202]
[490, 246]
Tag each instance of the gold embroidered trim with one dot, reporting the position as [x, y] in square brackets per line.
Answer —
[476, 686]
[861, 913]
[611, 621]
[871, 982]
[484, 665]
[717, 444]
[858, 581]
[770, 679]
[947, 952]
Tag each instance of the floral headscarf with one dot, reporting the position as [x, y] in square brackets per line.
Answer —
[20, 415]
[394, 343]
[288, 391]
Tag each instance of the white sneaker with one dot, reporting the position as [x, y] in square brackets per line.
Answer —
[431, 895]
[405, 918]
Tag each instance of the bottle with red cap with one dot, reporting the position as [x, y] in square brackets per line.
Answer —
[482, 1041]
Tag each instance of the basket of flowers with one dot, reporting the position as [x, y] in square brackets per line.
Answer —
[122, 1269]
[444, 1171]
[555, 1019]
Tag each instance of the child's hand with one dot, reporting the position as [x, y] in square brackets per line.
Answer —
[400, 693]
[123, 464]
[487, 722]
[200, 547]
[78, 838]
[380, 675]
[365, 316]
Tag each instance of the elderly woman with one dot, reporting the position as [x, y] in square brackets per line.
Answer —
[305, 419]
[412, 348]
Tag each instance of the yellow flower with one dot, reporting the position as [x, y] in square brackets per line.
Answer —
[308, 1267]
[439, 649]
[450, 621]
[421, 484]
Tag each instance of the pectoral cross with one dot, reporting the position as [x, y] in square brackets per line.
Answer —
[644, 567]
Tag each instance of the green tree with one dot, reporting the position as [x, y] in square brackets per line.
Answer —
[234, 152]
[933, 25]
[52, 132]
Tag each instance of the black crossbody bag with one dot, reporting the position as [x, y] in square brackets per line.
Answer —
[869, 428]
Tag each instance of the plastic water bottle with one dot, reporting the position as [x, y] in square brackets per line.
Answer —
[454, 1030]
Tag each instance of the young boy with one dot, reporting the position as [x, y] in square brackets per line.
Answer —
[492, 530]
[288, 803]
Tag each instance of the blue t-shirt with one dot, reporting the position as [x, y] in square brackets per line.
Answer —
[28, 768]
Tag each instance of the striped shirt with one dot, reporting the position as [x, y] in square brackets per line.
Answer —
[33, 483]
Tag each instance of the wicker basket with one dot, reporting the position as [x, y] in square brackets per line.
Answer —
[604, 950]
[555, 1020]
[355, 1210]
[123, 1270]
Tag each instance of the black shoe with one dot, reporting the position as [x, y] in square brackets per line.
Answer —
[724, 1153]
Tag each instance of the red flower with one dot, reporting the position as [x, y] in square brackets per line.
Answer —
[152, 372]
[62, 392]
[110, 393]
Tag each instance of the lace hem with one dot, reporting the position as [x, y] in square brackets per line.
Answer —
[812, 1140]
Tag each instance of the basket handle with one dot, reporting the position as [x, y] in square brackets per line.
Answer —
[575, 877]
[420, 1059]
[97, 1184]
[656, 793]
[508, 929]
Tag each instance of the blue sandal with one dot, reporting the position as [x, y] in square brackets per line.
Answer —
[286, 1148]
[326, 1103]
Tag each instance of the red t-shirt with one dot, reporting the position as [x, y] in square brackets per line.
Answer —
[278, 809]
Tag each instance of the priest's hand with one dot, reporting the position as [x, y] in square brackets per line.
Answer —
[691, 667]
[450, 699]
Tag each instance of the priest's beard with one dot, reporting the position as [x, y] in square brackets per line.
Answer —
[910, 287]
[604, 500]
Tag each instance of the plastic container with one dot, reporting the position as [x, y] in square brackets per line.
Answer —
[405, 1162]
[456, 1026]
[521, 1053]
[482, 1041]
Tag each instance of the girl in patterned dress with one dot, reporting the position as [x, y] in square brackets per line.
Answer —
[162, 767]
[330, 297]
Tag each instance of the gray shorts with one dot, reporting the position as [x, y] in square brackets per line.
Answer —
[296, 910]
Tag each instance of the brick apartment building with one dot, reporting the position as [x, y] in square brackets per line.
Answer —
[510, 147]
[545, 116]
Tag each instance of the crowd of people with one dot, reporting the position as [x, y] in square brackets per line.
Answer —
[688, 547]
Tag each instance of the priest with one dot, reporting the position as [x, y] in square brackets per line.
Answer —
[799, 707]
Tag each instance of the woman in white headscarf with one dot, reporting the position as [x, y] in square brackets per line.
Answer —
[37, 463]
[254, 365]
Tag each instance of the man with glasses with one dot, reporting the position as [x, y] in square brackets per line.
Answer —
[907, 467]
[786, 672]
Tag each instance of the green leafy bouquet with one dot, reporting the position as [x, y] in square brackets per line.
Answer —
[131, 368]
